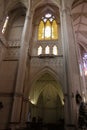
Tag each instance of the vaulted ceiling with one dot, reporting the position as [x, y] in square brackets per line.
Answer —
[48, 87]
[79, 15]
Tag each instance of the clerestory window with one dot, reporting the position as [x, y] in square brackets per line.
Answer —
[39, 50]
[5, 25]
[47, 50]
[48, 28]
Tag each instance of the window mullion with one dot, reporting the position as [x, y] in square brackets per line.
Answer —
[51, 30]
[44, 31]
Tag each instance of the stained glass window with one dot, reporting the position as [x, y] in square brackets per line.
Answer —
[48, 28]
[41, 31]
[54, 30]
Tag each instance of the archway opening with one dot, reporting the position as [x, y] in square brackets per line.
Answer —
[46, 100]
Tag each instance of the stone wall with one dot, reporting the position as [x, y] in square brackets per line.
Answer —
[9, 59]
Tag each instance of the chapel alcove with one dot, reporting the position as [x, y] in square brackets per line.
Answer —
[46, 100]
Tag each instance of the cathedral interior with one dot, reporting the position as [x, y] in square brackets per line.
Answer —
[43, 64]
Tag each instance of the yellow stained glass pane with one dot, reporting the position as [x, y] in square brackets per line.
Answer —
[48, 30]
[41, 31]
[54, 30]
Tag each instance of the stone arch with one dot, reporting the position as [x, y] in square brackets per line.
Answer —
[44, 3]
[51, 74]
[14, 5]
[45, 8]
[43, 71]
[15, 11]
[37, 13]
[45, 95]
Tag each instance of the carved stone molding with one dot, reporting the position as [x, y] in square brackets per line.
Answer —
[12, 53]
[14, 43]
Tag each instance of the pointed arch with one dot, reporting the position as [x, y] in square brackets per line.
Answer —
[48, 28]
[55, 4]
[43, 71]
[55, 50]
[39, 50]
[15, 5]
[47, 50]
[38, 86]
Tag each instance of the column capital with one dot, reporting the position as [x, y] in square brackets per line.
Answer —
[66, 10]
[29, 15]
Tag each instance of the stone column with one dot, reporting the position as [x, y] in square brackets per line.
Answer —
[71, 67]
[18, 94]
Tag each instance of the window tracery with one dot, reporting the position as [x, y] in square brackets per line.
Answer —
[48, 28]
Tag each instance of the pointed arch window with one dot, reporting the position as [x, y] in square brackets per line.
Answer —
[48, 28]
[55, 51]
[47, 50]
[5, 25]
[39, 50]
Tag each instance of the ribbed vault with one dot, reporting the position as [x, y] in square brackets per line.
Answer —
[47, 86]
[79, 15]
